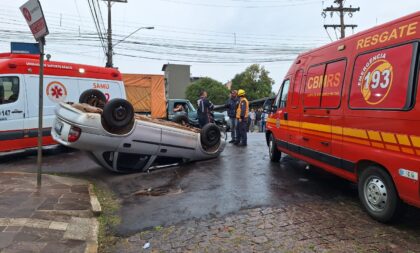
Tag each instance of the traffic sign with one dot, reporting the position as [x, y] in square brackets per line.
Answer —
[24, 48]
[34, 16]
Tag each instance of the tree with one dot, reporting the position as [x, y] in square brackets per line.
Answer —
[255, 81]
[217, 92]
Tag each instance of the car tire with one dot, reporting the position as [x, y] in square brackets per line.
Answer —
[210, 135]
[378, 194]
[273, 151]
[118, 114]
[93, 97]
[181, 119]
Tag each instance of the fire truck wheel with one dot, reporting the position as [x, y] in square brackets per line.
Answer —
[118, 113]
[275, 154]
[93, 97]
[210, 135]
[378, 194]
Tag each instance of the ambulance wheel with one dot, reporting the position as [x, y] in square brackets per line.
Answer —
[93, 97]
[118, 114]
[210, 135]
[275, 154]
[181, 119]
[378, 194]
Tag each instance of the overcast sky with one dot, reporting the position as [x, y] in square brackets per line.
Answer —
[218, 38]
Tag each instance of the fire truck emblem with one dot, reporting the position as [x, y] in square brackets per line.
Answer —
[376, 78]
[56, 92]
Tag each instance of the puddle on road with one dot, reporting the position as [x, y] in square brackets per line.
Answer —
[173, 187]
[158, 191]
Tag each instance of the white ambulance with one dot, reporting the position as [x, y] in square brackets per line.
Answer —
[63, 82]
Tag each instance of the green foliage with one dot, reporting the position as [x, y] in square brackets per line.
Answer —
[255, 81]
[217, 92]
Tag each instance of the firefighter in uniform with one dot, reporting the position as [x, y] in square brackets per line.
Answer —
[242, 117]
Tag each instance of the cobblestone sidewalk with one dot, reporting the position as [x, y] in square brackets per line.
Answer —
[56, 218]
[312, 227]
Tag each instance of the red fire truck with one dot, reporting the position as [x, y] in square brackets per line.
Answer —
[351, 108]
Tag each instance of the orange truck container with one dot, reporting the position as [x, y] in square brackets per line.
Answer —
[146, 93]
[351, 108]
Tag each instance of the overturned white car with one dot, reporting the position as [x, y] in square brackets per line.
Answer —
[121, 141]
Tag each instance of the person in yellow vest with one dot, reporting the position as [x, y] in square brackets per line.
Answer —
[242, 117]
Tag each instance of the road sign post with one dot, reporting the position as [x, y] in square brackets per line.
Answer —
[32, 11]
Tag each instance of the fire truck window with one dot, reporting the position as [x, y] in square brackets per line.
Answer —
[333, 83]
[284, 93]
[297, 81]
[381, 79]
[9, 89]
[313, 87]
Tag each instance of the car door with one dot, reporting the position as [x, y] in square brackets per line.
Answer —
[281, 115]
[12, 113]
[192, 114]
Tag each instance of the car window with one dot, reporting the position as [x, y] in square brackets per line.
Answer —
[9, 89]
[313, 87]
[333, 84]
[191, 107]
[381, 79]
[284, 94]
[297, 81]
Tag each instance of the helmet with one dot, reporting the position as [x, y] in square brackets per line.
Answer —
[241, 92]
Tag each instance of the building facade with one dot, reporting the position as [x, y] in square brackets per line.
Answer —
[177, 78]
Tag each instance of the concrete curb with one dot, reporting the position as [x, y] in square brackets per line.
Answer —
[82, 226]
[94, 202]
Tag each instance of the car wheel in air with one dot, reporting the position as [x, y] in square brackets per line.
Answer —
[210, 135]
[378, 194]
[93, 97]
[118, 114]
[273, 151]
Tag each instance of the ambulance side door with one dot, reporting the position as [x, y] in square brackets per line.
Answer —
[110, 88]
[12, 112]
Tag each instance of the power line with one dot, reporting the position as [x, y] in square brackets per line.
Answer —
[341, 10]
[98, 29]
[287, 4]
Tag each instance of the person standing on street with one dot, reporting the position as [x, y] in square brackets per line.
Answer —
[258, 119]
[232, 105]
[263, 121]
[252, 117]
[242, 117]
[204, 109]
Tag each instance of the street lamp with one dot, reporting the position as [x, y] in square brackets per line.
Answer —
[138, 29]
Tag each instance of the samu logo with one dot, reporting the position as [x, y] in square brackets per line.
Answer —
[376, 78]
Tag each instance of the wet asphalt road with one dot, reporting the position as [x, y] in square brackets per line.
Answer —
[241, 178]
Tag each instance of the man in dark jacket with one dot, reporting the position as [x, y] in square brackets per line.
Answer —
[232, 105]
[204, 109]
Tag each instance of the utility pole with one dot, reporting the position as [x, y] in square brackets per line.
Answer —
[341, 10]
[109, 54]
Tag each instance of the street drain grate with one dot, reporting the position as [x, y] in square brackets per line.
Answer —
[159, 191]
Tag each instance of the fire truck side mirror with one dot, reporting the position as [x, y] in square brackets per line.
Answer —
[274, 108]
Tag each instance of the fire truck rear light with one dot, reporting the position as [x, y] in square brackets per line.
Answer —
[74, 134]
